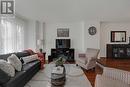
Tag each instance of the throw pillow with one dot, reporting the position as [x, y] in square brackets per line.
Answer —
[30, 51]
[31, 58]
[15, 62]
[7, 68]
[4, 77]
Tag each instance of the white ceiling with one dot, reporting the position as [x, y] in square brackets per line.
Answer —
[74, 10]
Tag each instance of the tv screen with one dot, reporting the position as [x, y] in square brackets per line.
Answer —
[62, 43]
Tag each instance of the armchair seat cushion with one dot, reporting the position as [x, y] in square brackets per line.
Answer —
[103, 81]
[82, 60]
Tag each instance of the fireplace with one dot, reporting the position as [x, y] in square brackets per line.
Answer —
[60, 52]
[63, 49]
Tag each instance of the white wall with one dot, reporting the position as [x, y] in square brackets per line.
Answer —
[34, 33]
[80, 39]
[75, 34]
[106, 28]
[39, 34]
[31, 37]
[92, 41]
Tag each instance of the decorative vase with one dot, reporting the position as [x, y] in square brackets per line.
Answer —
[40, 50]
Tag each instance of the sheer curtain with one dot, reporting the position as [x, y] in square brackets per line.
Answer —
[11, 35]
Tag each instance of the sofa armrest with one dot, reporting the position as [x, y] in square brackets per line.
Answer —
[117, 74]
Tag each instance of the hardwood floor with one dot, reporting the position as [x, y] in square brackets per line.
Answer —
[91, 75]
[123, 64]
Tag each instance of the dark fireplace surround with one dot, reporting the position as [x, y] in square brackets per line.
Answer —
[62, 50]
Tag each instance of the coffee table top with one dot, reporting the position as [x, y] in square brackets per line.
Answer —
[75, 77]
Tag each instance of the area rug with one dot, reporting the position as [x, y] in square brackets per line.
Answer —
[75, 77]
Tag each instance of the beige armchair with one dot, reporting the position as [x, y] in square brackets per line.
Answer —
[112, 77]
[88, 59]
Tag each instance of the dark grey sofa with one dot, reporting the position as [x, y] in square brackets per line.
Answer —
[22, 77]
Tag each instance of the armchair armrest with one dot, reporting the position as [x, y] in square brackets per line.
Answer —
[117, 74]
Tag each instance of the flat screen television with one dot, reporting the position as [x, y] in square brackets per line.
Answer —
[63, 43]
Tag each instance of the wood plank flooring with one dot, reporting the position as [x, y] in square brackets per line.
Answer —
[91, 75]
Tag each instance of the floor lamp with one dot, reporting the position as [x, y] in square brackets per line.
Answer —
[40, 44]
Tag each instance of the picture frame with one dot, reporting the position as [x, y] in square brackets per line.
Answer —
[118, 36]
[62, 32]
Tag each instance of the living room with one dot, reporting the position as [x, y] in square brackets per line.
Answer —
[38, 25]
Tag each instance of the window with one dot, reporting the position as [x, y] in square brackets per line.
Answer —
[11, 35]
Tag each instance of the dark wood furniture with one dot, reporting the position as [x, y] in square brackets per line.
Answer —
[44, 56]
[118, 51]
[123, 64]
[56, 53]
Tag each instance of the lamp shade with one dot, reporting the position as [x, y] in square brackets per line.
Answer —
[39, 42]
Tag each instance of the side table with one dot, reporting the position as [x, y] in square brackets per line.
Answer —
[44, 56]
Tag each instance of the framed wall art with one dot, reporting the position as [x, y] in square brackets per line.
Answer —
[62, 32]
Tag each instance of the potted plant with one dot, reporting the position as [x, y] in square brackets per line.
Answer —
[61, 60]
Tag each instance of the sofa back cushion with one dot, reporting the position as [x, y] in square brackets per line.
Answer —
[5, 56]
[18, 54]
[22, 54]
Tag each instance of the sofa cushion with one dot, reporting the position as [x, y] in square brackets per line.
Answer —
[22, 54]
[102, 81]
[22, 77]
[15, 62]
[19, 77]
[8, 68]
[5, 56]
[4, 77]
[30, 65]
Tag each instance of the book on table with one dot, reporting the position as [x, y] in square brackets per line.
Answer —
[57, 70]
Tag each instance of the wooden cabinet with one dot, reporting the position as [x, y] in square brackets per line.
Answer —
[118, 51]
[44, 55]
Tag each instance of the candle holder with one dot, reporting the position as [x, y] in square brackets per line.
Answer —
[40, 50]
